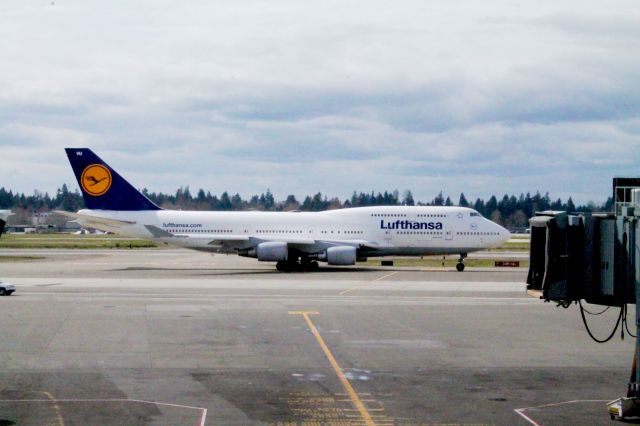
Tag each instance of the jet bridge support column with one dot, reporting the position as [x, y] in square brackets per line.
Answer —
[634, 244]
[623, 408]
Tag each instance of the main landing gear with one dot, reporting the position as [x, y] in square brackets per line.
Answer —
[295, 266]
[460, 265]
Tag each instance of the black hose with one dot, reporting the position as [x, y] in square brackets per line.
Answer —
[599, 313]
[626, 323]
[584, 320]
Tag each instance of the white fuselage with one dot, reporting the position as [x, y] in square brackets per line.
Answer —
[377, 231]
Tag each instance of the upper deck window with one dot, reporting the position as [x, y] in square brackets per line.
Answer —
[474, 214]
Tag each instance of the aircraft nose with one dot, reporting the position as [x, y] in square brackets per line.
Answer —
[505, 235]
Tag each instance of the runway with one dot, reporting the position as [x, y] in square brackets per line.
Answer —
[180, 337]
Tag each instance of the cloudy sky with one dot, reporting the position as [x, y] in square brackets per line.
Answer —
[331, 96]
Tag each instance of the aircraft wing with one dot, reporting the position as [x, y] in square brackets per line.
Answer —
[312, 245]
[216, 239]
[219, 241]
[288, 240]
[229, 243]
[305, 243]
[360, 244]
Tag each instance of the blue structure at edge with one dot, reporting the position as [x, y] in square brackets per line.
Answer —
[120, 196]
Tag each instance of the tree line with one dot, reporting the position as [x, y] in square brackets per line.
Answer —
[510, 210]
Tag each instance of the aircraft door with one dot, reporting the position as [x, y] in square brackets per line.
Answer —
[450, 225]
[448, 234]
[311, 232]
[387, 237]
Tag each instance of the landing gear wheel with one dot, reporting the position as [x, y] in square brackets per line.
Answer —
[2, 292]
[288, 266]
[460, 265]
[308, 266]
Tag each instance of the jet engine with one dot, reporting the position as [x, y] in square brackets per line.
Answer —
[273, 251]
[341, 255]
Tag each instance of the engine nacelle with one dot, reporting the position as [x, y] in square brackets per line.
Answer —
[273, 251]
[341, 255]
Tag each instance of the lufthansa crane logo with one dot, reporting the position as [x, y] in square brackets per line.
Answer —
[96, 179]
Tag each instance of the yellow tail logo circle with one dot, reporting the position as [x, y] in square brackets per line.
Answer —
[96, 179]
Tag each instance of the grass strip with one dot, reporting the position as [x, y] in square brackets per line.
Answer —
[437, 262]
[66, 241]
[19, 258]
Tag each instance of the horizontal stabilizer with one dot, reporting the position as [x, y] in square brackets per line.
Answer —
[157, 232]
[98, 222]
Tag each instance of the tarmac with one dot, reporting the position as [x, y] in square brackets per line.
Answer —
[176, 337]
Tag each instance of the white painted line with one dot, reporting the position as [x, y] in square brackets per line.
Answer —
[520, 411]
[372, 281]
[203, 417]
[57, 408]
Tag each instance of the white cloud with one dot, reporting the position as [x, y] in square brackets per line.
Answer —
[331, 97]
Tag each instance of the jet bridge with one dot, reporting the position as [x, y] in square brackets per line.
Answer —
[575, 257]
[595, 258]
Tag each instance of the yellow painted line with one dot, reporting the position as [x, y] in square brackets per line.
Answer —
[355, 399]
[56, 407]
[364, 285]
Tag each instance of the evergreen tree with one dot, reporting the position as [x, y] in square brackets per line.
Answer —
[439, 200]
[236, 202]
[269, 201]
[491, 207]
[557, 205]
[254, 203]
[408, 199]
[291, 203]
[463, 200]
[225, 202]
[528, 206]
[480, 207]
[608, 205]
[306, 204]
[510, 211]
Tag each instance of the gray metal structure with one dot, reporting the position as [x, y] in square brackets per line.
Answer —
[596, 258]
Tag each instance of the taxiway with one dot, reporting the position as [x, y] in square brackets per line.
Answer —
[180, 337]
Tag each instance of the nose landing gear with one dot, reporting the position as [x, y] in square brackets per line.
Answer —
[460, 265]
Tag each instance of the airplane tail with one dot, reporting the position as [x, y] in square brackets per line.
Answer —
[102, 187]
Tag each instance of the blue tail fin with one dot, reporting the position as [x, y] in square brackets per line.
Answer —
[102, 187]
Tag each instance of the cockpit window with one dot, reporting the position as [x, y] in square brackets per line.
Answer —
[474, 214]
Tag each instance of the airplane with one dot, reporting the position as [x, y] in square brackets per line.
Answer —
[296, 241]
